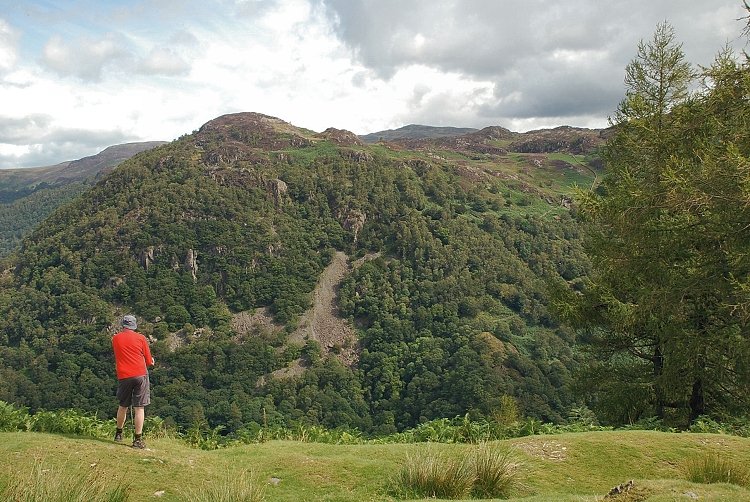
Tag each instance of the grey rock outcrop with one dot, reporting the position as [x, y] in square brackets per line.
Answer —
[354, 220]
[147, 257]
[278, 190]
[191, 263]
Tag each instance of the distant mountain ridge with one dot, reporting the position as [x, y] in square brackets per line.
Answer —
[69, 171]
[415, 131]
[29, 195]
[494, 139]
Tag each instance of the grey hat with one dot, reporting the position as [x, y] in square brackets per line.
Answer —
[129, 322]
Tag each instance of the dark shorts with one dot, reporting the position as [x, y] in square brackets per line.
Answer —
[135, 391]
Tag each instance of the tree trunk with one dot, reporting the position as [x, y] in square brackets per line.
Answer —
[697, 404]
[658, 393]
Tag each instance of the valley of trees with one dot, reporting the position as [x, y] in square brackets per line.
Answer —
[475, 292]
[457, 298]
[20, 215]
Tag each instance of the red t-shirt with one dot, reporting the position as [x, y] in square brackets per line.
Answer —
[131, 354]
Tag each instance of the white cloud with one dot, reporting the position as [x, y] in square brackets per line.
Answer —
[557, 59]
[18, 131]
[40, 139]
[162, 68]
[8, 46]
[184, 39]
[9, 154]
[425, 95]
[84, 58]
[163, 61]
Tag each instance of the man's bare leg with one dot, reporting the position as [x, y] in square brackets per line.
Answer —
[139, 414]
[122, 412]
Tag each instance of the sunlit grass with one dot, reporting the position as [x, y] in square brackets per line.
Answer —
[242, 486]
[569, 467]
[46, 484]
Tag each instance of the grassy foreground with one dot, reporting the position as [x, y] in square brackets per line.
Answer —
[566, 467]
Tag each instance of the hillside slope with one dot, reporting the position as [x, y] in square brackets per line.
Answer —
[568, 467]
[240, 219]
[29, 195]
[17, 182]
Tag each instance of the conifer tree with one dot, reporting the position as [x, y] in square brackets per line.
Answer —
[662, 310]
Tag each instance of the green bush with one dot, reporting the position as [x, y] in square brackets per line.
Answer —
[460, 429]
[157, 428]
[507, 413]
[69, 422]
[713, 468]
[736, 426]
[12, 419]
[705, 424]
[582, 415]
[649, 424]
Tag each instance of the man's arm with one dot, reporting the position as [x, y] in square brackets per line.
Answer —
[147, 353]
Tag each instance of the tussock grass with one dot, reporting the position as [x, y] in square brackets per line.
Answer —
[488, 472]
[44, 484]
[713, 468]
[496, 472]
[433, 475]
[243, 486]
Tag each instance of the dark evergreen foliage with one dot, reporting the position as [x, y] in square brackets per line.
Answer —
[665, 311]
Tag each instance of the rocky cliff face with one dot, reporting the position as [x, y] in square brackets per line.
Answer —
[191, 263]
[560, 139]
[278, 189]
[341, 137]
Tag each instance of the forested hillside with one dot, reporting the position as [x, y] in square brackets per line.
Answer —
[291, 277]
[217, 240]
[29, 195]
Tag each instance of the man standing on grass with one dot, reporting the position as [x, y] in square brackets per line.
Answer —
[132, 355]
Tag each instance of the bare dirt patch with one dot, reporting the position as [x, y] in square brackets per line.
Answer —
[175, 341]
[546, 449]
[294, 369]
[244, 323]
[323, 322]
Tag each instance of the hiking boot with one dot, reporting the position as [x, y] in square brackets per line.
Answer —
[139, 443]
[118, 437]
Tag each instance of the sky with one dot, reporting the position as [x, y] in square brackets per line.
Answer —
[77, 76]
